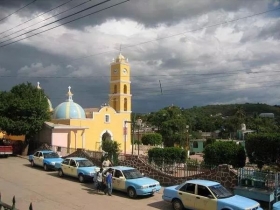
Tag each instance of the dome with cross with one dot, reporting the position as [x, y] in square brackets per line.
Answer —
[49, 101]
[69, 109]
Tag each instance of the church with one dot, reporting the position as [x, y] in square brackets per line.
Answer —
[73, 126]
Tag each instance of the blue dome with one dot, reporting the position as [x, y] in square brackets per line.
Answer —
[69, 109]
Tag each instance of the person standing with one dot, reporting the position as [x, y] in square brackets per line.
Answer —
[106, 163]
[109, 180]
[99, 179]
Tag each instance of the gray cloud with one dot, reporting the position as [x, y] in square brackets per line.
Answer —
[215, 65]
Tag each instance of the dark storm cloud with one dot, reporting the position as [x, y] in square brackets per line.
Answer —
[149, 13]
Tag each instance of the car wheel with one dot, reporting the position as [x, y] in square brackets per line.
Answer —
[81, 178]
[46, 168]
[60, 173]
[177, 204]
[32, 163]
[131, 192]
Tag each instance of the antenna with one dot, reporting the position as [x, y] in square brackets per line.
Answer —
[120, 48]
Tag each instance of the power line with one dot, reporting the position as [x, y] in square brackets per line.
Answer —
[68, 22]
[47, 18]
[178, 34]
[18, 10]
[95, 5]
[34, 18]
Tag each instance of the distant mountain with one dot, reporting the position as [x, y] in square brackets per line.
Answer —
[230, 109]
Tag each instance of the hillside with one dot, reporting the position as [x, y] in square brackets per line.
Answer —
[230, 109]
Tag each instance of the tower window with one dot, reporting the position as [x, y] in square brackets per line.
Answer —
[107, 118]
[125, 89]
[125, 104]
[115, 89]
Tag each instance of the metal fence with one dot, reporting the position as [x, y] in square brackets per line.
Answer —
[5, 206]
[178, 169]
[248, 177]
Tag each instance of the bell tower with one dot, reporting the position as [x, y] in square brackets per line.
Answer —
[119, 96]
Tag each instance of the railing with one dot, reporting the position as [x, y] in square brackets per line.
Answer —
[178, 169]
[258, 179]
[4, 206]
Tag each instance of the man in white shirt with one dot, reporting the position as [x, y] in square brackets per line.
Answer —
[99, 179]
[106, 162]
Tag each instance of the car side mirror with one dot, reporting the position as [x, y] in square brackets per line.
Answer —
[210, 196]
[143, 174]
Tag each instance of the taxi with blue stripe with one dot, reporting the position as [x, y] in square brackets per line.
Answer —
[77, 167]
[206, 195]
[131, 181]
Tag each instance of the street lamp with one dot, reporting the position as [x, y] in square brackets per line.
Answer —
[187, 129]
[139, 123]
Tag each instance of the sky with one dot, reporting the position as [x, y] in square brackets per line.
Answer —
[183, 53]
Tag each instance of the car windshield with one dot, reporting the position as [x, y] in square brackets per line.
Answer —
[51, 155]
[220, 191]
[132, 174]
[84, 163]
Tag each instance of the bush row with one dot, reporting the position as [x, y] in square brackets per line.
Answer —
[168, 155]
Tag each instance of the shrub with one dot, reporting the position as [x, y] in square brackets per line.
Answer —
[168, 155]
[227, 152]
[152, 139]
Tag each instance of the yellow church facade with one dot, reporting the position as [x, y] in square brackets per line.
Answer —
[74, 127]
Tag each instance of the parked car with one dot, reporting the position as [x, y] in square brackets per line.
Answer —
[45, 158]
[77, 167]
[130, 180]
[206, 195]
[5, 149]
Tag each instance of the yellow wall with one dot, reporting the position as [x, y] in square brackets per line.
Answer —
[97, 127]
[12, 137]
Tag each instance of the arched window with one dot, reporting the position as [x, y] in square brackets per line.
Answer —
[114, 103]
[115, 89]
[125, 104]
[125, 89]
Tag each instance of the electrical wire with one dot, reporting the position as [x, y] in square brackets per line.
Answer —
[33, 18]
[47, 18]
[18, 10]
[95, 5]
[67, 22]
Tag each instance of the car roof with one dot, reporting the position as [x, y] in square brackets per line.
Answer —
[122, 168]
[76, 158]
[202, 182]
[46, 151]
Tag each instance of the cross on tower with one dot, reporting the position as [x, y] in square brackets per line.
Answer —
[38, 85]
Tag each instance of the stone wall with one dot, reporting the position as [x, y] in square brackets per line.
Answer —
[222, 174]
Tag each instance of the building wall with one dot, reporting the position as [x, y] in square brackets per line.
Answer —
[97, 127]
[60, 138]
[199, 147]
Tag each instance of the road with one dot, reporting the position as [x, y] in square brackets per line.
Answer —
[47, 191]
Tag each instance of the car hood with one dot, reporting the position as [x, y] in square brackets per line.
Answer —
[142, 181]
[239, 202]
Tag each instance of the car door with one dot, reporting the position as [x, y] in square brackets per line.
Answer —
[35, 158]
[187, 195]
[40, 159]
[65, 166]
[205, 199]
[73, 168]
[118, 180]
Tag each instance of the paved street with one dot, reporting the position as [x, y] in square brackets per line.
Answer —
[47, 191]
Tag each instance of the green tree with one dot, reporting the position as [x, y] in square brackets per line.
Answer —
[263, 148]
[224, 152]
[112, 148]
[152, 139]
[23, 110]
